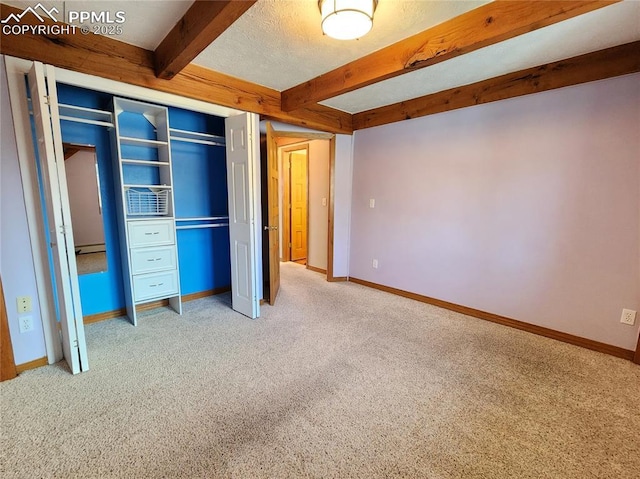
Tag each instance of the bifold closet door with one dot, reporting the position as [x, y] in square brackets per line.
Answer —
[243, 187]
[54, 185]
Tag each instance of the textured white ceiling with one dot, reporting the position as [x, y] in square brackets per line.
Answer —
[279, 44]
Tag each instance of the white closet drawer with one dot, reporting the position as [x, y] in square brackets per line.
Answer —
[155, 285]
[150, 233]
[146, 260]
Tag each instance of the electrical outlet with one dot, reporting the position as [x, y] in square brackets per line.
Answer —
[628, 317]
[26, 324]
[24, 304]
[375, 264]
[324, 202]
[372, 203]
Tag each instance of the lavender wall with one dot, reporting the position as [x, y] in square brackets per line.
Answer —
[16, 260]
[527, 208]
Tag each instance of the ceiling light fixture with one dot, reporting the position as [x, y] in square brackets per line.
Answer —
[347, 19]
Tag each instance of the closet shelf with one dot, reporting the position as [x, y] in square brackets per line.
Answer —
[133, 106]
[204, 218]
[193, 227]
[145, 162]
[128, 140]
[137, 219]
[196, 137]
[151, 187]
[82, 114]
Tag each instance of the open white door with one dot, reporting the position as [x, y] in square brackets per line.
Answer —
[243, 186]
[44, 100]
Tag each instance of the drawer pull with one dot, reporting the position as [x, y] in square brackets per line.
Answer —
[155, 285]
[151, 260]
[154, 233]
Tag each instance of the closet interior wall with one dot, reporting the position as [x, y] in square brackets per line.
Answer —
[197, 146]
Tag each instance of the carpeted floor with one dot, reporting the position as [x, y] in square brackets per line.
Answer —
[91, 262]
[335, 381]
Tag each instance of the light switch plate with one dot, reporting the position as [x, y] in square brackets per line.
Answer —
[628, 317]
[25, 324]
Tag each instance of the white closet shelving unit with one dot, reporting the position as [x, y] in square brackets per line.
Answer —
[145, 206]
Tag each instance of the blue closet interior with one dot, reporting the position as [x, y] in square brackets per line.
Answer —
[200, 191]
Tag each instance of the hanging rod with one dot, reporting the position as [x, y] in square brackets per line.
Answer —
[204, 218]
[200, 142]
[193, 227]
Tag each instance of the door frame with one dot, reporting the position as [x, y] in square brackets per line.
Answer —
[286, 198]
[636, 357]
[306, 137]
[7, 362]
[16, 69]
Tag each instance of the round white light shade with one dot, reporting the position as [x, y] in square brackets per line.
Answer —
[347, 19]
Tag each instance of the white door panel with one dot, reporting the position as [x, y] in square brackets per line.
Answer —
[244, 190]
[240, 206]
[50, 155]
[243, 284]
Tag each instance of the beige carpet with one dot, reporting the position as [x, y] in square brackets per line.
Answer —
[336, 381]
[91, 262]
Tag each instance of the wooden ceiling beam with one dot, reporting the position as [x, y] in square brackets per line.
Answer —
[109, 58]
[486, 25]
[611, 62]
[201, 24]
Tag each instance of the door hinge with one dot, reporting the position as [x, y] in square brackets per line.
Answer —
[46, 100]
[290, 245]
[75, 343]
[64, 229]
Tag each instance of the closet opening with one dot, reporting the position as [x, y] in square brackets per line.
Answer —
[60, 122]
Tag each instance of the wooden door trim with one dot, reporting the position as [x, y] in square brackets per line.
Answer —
[636, 356]
[304, 136]
[7, 363]
[286, 197]
[286, 206]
